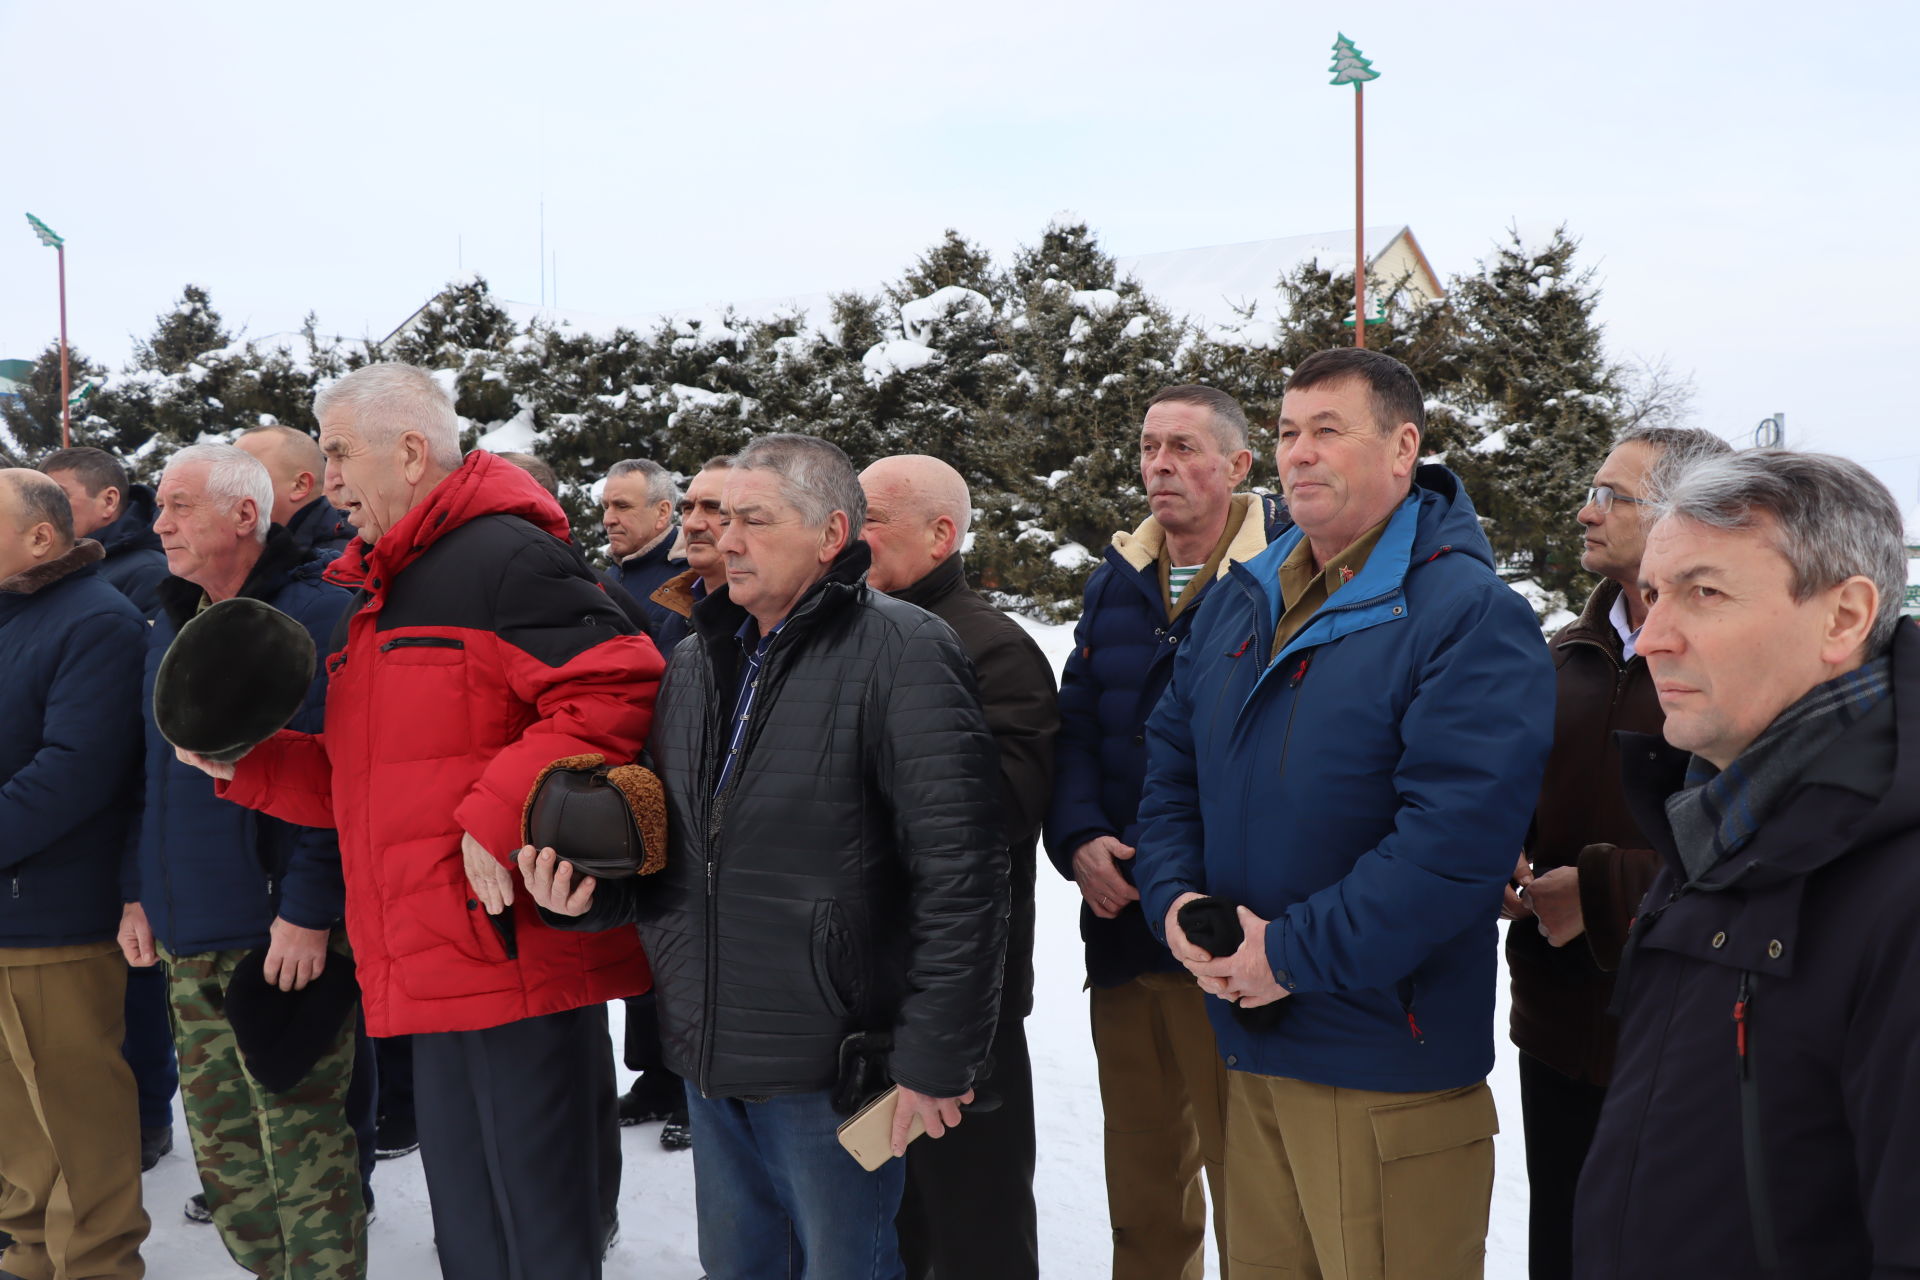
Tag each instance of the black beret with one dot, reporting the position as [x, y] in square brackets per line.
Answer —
[234, 676]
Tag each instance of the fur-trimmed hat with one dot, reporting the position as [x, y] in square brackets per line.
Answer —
[281, 1034]
[608, 823]
[235, 675]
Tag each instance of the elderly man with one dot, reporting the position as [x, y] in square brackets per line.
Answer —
[482, 650]
[968, 1207]
[294, 460]
[1583, 845]
[1342, 766]
[212, 882]
[706, 570]
[637, 502]
[118, 514]
[69, 759]
[836, 881]
[1162, 1087]
[1760, 1120]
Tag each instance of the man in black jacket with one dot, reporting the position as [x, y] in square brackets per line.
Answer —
[968, 1208]
[836, 866]
[293, 459]
[1761, 1116]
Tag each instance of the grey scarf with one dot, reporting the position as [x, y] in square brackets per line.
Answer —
[1718, 811]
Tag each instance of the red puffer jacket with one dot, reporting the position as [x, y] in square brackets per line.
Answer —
[481, 650]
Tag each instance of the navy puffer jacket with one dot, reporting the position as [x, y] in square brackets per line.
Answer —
[135, 564]
[212, 875]
[69, 750]
[1122, 657]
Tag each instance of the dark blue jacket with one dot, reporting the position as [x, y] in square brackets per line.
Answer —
[1122, 658]
[1367, 792]
[135, 564]
[321, 527]
[69, 750]
[212, 875]
[640, 575]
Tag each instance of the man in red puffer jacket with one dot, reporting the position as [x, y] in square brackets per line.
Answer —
[478, 650]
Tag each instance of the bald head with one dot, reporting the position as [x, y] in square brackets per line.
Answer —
[918, 512]
[36, 521]
[293, 459]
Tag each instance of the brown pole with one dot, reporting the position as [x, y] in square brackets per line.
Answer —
[1359, 223]
[66, 378]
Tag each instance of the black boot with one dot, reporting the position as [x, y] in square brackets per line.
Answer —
[655, 1095]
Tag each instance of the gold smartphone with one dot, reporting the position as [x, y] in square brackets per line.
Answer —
[867, 1134]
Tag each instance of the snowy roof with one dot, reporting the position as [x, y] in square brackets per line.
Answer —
[1208, 285]
[1204, 284]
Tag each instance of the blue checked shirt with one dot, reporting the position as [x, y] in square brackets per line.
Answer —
[743, 701]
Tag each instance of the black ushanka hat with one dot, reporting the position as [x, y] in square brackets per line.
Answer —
[235, 675]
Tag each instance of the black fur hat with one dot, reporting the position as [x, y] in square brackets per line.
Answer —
[281, 1034]
[234, 676]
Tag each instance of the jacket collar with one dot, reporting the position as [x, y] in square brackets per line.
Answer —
[676, 593]
[80, 555]
[483, 485]
[132, 529]
[718, 618]
[944, 579]
[1140, 550]
[280, 560]
[1595, 626]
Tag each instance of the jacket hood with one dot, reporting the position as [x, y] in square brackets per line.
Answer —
[283, 559]
[132, 529]
[483, 485]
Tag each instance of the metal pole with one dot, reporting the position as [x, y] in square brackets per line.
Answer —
[1359, 223]
[66, 377]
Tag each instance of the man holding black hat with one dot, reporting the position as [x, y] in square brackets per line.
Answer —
[214, 884]
[69, 673]
[481, 651]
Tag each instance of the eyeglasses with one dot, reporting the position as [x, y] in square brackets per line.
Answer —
[1604, 496]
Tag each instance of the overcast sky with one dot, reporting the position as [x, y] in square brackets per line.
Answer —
[1744, 178]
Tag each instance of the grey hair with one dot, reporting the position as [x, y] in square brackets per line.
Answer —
[815, 476]
[660, 485]
[388, 400]
[1831, 519]
[1226, 417]
[233, 476]
[1679, 448]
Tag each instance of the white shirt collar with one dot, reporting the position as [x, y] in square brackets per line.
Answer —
[1629, 636]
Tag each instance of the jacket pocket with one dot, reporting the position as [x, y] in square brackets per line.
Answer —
[1436, 1182]
[835, 963]
[421, 690]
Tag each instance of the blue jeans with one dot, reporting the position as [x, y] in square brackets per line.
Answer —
[779, 1198]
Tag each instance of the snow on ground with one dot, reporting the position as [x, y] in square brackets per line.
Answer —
[657, 1239]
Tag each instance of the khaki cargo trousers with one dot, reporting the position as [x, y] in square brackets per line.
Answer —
[1326, 1183]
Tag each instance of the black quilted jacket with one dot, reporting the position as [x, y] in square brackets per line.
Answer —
[853, 876]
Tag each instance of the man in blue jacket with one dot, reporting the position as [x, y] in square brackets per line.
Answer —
[1348, 753]
[216, 881]
[1162, 1089]
[69, 753]
[293, 459]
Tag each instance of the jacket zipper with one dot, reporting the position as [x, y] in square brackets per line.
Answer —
[1752, 1138]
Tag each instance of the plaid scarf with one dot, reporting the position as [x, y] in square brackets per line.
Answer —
[1718, 811]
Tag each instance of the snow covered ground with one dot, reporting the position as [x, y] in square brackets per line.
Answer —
[656, 1194]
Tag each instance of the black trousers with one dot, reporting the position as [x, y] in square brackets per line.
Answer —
[521, 1145]
[1560, 1115]
[967, 1211]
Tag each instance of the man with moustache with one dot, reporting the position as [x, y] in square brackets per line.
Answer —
[706, 570]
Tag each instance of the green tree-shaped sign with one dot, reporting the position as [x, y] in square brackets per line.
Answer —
[1348, 66]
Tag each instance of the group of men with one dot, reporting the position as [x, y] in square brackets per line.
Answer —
[1291, 762]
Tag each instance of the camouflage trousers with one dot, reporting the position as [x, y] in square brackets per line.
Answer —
[281, 1171]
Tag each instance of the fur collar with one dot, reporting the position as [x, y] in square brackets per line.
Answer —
[83, 553]
[1142, 547]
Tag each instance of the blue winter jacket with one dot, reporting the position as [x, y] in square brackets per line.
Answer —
[641, 575]
[212, 875]
[135, 563]
[1366, 791]
[69, 750]
[1122, 657]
